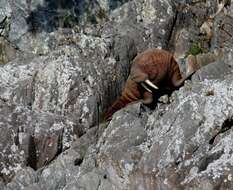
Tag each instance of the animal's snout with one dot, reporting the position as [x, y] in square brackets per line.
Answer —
[138, 76]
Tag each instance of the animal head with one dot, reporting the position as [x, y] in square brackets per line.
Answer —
[141, 77]
[146, 68]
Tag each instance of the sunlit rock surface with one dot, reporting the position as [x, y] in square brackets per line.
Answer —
[65, 62]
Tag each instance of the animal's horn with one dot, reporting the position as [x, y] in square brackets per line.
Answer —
[148, 82]
[144, 86]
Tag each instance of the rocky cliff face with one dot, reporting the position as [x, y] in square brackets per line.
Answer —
[65, 62]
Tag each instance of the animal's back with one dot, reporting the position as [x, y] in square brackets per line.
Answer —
[157, 65]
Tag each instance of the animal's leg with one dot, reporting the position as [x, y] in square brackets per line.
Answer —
[147, 98]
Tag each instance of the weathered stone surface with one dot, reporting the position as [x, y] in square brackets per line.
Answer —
[222, 30]
[217, 70]
[53, 93]
[24, 178]
[69, 80]
[186, 33]
[7, 52]
[5, 13]
[31, 138]
[2, 185]
[149, 23]
[179, 145]
[183, 145]
[38, 15]
[28, 18]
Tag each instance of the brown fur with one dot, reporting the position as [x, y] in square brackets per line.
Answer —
[159, 66]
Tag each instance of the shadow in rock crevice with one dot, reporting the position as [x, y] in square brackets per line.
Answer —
[60, 13]
[227, 125]
[53, 14]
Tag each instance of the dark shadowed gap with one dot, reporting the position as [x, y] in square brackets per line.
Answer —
[59, 13]
[32, 158]
[227, 125]
[55, 14]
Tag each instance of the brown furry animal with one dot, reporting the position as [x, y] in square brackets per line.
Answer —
[152, 69]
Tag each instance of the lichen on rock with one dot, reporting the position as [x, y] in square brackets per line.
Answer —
[65, 62]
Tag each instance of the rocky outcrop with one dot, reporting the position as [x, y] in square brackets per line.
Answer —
[30, 138]
[70, 79]
[7, 51]
[182, 145]
[69, 63]
[178, 146]
[27, 23]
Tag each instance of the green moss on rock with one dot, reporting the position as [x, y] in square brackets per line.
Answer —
[196, 49]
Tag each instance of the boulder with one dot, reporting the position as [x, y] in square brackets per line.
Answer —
[71, 64]
[31, 138]
[219, 69]
[178, 146]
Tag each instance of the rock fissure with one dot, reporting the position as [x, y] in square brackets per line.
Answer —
[173, 27]
[71, 62]
[208, 160]
[227, 125]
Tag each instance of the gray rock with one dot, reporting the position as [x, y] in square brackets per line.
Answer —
[47, 91]
[19, 13]
[38, 15]
[35, 186]
[117, 50]
[32, 21]
[12, 159]
[216, 70]
[186, 33]
[148, 23]
[222, 30]
[53, 93]
[182, 43]
[7, 52]
[61, 172]
[177, 146]
[5, 14]
[2, 185]
[24, 178]
[67, 79]
[73, 186]
[31, 138]
[120, 144]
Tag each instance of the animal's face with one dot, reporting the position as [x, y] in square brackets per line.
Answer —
[143, 68]
[142, 78]
[137, 75]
